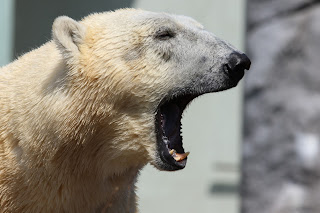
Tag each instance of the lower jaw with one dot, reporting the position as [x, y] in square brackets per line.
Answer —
[163, 165]
[164, 161]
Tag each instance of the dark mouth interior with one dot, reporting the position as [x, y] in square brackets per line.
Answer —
[170, 117]
[168, 121]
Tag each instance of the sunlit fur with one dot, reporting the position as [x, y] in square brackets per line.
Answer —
[77, 114]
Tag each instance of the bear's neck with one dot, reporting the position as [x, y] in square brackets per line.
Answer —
[112, 194]
[65, 155]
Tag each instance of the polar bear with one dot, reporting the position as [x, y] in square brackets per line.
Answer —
[84, 113]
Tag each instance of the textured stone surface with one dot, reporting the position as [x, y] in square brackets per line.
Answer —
[281, 150]
[260, 11]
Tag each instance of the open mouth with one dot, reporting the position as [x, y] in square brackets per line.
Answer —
[168, 128]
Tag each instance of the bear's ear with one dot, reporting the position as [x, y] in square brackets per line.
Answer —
[68, 34]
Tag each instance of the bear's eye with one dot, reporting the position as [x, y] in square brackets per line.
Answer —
[165, 34]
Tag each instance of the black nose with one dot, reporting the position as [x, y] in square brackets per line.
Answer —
[237, 63]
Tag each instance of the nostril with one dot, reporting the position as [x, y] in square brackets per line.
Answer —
[237, 63]
[244, 62]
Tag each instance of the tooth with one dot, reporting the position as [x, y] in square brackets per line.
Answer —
[179, 157]
[172, 151]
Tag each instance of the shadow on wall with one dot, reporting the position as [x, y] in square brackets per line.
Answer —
[34, 18]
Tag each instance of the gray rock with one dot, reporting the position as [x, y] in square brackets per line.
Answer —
[260, 11]
[281, 150]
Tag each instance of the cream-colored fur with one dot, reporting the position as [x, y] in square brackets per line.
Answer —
[67, 145]
[77, 115]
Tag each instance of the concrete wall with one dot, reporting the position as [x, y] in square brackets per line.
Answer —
[6, 30]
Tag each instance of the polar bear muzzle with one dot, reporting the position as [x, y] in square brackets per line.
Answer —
[171, 154]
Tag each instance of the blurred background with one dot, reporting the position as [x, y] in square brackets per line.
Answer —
[255, 148]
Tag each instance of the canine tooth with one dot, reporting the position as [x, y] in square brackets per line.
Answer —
[172, 151]
[179, 157]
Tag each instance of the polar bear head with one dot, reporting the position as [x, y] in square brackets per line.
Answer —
[137, 71]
